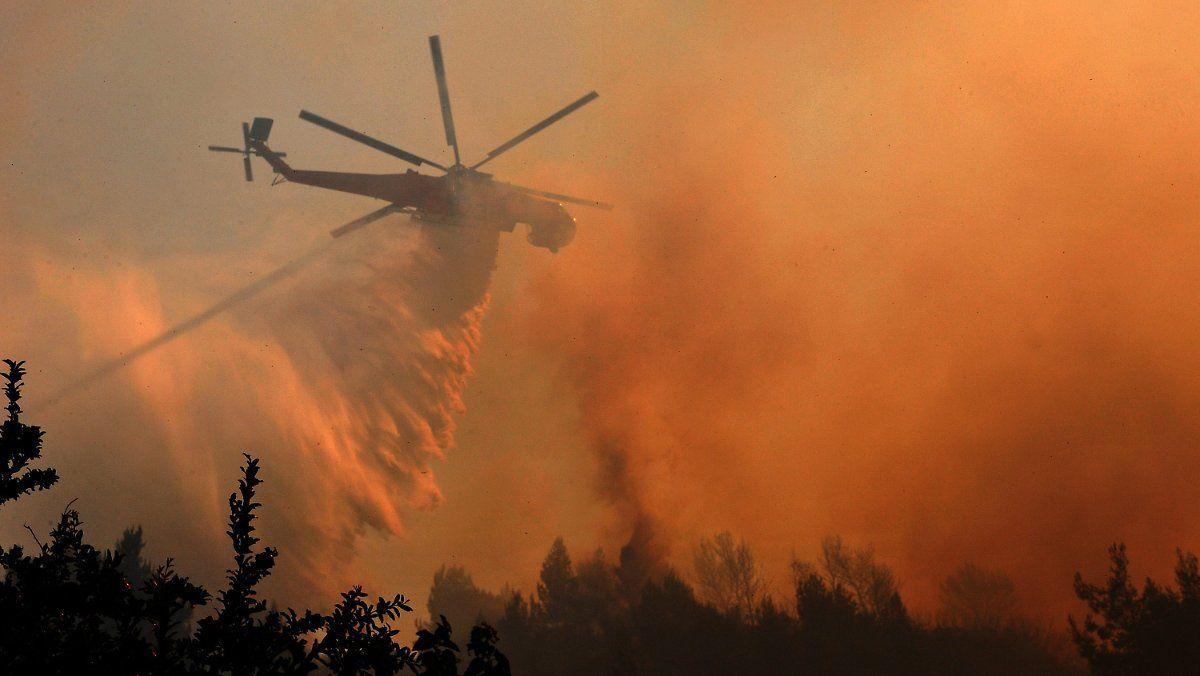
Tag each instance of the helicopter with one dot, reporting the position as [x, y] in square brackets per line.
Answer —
[462, 196]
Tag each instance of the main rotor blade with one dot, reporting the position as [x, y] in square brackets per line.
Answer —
[246, 164]
[439, 69]
[583, 101]
[561, 198]
[365, 220]
[227, 149]
[367, 140]
[246, 135]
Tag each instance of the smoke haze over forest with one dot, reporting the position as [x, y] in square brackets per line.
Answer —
[921, 277]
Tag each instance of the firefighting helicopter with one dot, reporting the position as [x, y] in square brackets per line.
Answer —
[461, 196]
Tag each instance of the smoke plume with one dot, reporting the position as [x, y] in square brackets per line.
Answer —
[923, 277]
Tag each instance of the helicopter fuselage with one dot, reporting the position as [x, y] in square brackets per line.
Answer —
[459, 198]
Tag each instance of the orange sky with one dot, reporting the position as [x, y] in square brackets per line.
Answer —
[916, 274]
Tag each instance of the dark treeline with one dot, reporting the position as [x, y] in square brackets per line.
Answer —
[844, 615]
[69, 607]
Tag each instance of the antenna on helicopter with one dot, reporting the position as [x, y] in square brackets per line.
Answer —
[260, 131]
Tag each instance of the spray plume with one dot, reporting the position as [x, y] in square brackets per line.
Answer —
[344, 368]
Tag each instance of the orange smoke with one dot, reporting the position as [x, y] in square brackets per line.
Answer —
[923, 277]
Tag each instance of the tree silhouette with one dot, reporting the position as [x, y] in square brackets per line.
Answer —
[456, 596]
[1152, 631]
[244, 636]
[69, 609]
[556, 585]
[727, 575]
[486, 659]
[358, 637]
[873, 584]
[20, 444]
[976, 597]
[135, 568]
[439, 654]
[574, 619]
[674, 633]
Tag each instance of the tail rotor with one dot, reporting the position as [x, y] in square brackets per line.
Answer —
[259, 131]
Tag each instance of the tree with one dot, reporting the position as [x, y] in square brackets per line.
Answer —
[486, 659]
[556, 584]
[873, 584]
[851, 617]
[974, 597]
[820, 605]
[597, 596]
[727, 575]
[136, 569]
[20, 444]
[1152, 631]
[455, 596]
[577, 621]
[243, 636]
[831, 622]
[68, 608]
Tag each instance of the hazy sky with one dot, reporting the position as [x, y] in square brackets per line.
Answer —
[922, 275]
